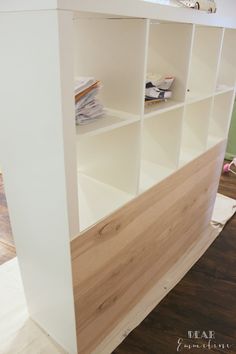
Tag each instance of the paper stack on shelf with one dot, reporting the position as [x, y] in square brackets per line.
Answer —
[158, 88]
[87, 106]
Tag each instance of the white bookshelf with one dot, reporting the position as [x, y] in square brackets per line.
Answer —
[60, 179]
[135, 146]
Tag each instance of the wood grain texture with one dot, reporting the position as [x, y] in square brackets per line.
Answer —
[212, 281]
[157, 293]
[116, 262]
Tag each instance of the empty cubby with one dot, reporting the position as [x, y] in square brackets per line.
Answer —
[227, 70]
[220, 117]
[169, 57]
[195, 130]
[204, 62]
[112, 51]
[160, 147]
[108, 165]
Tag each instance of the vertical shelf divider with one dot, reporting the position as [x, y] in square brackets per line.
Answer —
[219, 58]
[186, 87]
[148, 23]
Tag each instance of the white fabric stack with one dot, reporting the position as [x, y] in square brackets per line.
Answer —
[87, 106]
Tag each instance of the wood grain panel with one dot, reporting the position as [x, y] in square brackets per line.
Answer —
[116, 262]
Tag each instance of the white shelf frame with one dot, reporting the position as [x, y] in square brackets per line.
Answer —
[44, 209]
[149, 29]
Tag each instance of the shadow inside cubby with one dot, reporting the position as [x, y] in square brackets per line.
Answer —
[195, 130]
[220, 117]
[204, 61]
[160, 147]
[108, 165]
[168, 55]
[112, 51]
[227, 70]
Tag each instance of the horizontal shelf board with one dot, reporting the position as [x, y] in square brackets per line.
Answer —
[198, 96]
[188, 154]
[223, 89]
[110, 120]
[161, 107]
[97, 200]
[152, 173]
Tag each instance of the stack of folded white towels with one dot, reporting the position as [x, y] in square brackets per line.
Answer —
[87, 106]
[158, 88]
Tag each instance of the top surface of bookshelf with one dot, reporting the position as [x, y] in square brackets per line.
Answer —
[225, 16]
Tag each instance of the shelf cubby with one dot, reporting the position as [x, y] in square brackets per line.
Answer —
[227, 70]
[195, 130]
[121, 68]
[160, 147]
[220, 117]
[204, 62]
[109, 121]
[169, 58]
[108, 166]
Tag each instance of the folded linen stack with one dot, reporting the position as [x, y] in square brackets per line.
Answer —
[87, 106]
[158, 88]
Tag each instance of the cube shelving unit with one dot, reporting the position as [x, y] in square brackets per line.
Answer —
[108, 217]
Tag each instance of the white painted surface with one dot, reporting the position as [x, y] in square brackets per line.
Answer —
[170, 57]
[34, 159]
[204, 61]
[151, 174]
[160, 147]
[161, 138]
[19, 334]
[227, 70]
[113, 52]
[225, 15]
[109, 121]
[98, 200]
[112, 157]
[195, 128]
[161, 107]
[37, 141]
[221, 115]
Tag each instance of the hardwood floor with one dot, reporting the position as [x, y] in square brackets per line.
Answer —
[7, 248]
[205, 299]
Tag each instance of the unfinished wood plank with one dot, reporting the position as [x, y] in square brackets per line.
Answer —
[118, 261]
[158, 292]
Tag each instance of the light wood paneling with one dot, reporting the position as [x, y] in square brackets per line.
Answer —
[156, 294]
[120, 259]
